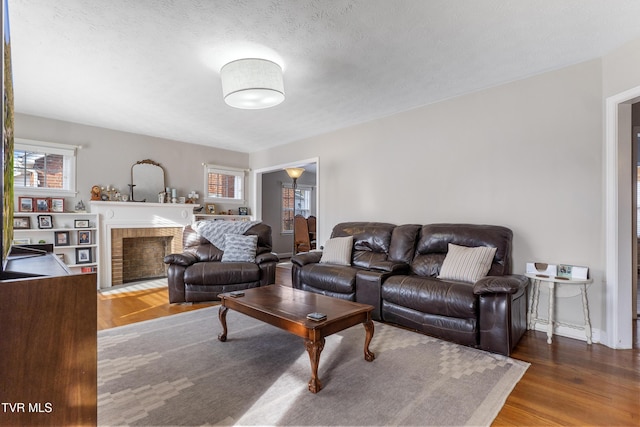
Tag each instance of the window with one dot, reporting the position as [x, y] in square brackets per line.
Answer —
[40, 167]
[303, 205]
[224, 184]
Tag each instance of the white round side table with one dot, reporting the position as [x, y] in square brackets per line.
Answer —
[536, 281]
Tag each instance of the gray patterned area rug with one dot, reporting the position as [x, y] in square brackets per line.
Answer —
[173, 371]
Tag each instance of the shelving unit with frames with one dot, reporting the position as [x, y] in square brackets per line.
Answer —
[74, 236]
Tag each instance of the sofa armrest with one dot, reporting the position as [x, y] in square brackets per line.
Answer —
[184, 259]
[307, 258]
[266, 257]
[509, 284]
[369, 289]
[396, 267]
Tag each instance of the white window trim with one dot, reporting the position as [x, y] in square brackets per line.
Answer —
[225, 170]
[68, 151]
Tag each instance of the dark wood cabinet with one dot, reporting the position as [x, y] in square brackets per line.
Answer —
[48, 351]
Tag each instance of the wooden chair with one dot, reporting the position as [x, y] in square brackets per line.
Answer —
[311, 224]
[302, 243]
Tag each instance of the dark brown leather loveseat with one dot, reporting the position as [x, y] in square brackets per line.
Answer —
[396, 268]
[199, 275]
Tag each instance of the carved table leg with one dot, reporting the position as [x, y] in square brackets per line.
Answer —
[222, 315]
[314, 348]
[368, 355]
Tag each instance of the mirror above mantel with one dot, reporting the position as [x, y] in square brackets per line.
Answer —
[147, 181]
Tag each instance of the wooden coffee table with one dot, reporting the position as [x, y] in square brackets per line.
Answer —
[287, 308]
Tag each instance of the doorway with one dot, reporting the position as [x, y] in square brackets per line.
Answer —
[269, 183]
[619, 227]
[635, 114]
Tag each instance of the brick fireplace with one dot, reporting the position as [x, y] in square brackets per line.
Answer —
[135, 237]
[137, 253]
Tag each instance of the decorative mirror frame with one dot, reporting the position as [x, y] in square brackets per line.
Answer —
[133, 184]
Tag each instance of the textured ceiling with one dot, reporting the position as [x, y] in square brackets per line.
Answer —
[152, 66]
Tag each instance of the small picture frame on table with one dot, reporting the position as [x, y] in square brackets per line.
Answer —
[25, 204]
[80, 223]
[211, 209]
[83, 255]
[45, 221]
[243, 210]
[23, 241]
[84, 237]
[61, 238]
[21, 222]
[42, 204]
[57, 204]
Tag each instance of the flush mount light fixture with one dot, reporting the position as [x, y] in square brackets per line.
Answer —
[252, 83]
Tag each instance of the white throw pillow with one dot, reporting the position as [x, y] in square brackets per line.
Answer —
[466, 264]
[239, 248]
[337, 251]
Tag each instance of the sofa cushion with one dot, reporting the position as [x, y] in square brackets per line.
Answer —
[466, 264]
[239, 248]
[371, 241]
[337, 251]
[221, 273]
[432, 246]
[431, 295]
[328, 277]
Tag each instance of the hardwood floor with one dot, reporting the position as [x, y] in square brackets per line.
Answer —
[568, 382]
[130, 307]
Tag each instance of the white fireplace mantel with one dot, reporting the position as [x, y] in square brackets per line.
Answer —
[134, 215]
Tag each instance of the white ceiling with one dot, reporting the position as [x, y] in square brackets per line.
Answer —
[152, 66]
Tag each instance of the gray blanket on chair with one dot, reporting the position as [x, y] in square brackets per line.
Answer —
[215, 231]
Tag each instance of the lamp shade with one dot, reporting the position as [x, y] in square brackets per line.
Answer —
[294, 173]
[252, 84]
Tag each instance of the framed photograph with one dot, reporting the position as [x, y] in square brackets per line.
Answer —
[564, 271]
[84, 237]
[211, 208]
[83, 255]
[45, 221]
[42, 204]
[56, 204]
[25, 204]
[243, 210]
[24, 241]
[21, 222]
[61, 238]
[81, 223]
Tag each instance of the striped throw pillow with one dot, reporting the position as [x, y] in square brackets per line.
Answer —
[466, 264]
[337, 251]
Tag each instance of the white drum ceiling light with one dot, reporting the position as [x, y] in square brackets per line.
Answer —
[252, 83]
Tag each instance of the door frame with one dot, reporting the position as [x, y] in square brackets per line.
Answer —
[618, 219]
[257, 184]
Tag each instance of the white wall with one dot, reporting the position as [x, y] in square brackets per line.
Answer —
[621, 69]
[106, 156]
[526, 155]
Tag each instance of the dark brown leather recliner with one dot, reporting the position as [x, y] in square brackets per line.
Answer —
[198, 274]
[395, 269]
